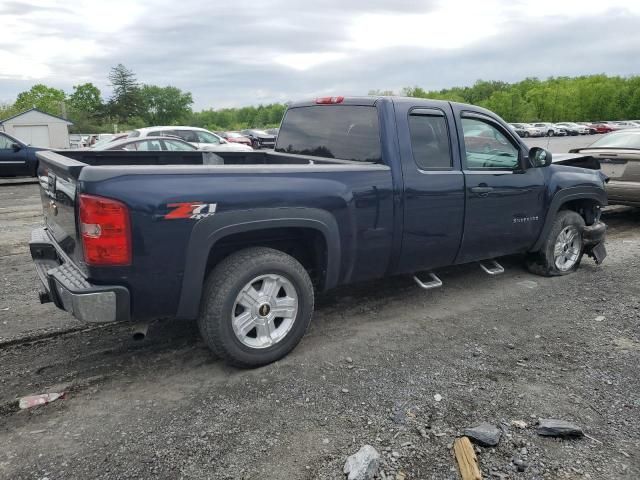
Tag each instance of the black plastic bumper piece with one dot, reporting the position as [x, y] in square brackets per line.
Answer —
[594, 234]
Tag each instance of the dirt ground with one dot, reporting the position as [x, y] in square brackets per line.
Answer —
[495, 349]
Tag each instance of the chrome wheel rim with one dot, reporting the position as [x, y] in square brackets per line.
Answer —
[567, 248]
[264, 311]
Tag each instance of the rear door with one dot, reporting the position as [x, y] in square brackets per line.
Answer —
[504, 201]
[433, 194]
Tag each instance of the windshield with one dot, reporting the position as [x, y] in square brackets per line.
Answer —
[260, 132]
[233, 135]
[626, 139]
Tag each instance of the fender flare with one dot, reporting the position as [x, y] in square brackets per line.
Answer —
[560, 198]
[208, 231]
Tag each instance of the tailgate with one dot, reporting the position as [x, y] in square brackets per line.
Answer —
[58, 176]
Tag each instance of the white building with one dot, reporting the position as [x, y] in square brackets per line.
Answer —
[38, 128]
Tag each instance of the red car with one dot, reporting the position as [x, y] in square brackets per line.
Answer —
[235, 137]
[600, 127]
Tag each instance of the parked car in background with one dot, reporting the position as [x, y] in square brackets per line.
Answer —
[16, 157]
[260, 138]
[150, 144]
[624, 124]
[619, 157]
[200, 137]
[518, 128]
[107, 140]
[528, 130]
[574, 128]
[597, 127]
[551, 129]
[235, 137]
[273, 131]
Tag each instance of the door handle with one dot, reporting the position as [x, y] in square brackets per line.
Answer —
[481, 190]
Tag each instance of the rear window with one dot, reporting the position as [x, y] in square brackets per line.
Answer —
[343, 132]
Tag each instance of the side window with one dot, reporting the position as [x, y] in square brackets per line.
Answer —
[5, 142]
[186, 135]
[487, 147]
[176, 146]
[430, 141]
[149, 146]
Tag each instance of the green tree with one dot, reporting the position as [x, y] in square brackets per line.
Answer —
[47, 99]
[164, 105]
[126, 101]
[86, 99]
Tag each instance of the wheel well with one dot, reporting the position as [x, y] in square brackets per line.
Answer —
[587, 208]
[306, 245]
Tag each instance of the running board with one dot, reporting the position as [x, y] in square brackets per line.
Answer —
[494, 267]
[435, 282]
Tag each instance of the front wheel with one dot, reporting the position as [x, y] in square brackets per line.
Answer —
[563, 248]
[256, 306]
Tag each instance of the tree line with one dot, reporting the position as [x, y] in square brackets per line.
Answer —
[583, 98]
[133, 104]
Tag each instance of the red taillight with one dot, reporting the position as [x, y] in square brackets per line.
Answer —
[105, 231]
[329, 100]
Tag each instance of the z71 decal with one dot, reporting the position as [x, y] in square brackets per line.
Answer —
[193, 210]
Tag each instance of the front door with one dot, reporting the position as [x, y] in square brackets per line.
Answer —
[12, 162]
[504, 197]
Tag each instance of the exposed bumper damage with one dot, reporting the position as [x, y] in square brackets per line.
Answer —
[593, 237]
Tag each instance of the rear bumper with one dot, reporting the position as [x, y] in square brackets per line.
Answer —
[65, 285]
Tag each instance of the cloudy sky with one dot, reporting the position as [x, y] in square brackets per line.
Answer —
[240, 52]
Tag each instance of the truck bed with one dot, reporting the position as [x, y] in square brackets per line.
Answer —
[119, 157]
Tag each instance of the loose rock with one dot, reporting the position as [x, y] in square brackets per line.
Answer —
[362, 465]
[550, 427]
[484, 434]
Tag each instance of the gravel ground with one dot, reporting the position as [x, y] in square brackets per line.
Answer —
[513, 347]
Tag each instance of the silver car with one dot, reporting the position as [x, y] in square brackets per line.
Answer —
[619, 156]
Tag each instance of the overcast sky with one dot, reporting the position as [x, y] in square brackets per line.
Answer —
[236, 53]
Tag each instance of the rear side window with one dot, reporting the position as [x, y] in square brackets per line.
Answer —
[343, 132]
[430, 141]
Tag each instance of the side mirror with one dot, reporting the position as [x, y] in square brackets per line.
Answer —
[539, 157]
[16, 147]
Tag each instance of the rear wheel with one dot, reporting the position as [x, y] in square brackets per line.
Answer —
[526, 134]
[256, 307]
[563, 248]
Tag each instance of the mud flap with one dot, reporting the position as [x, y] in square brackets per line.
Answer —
[597, 252]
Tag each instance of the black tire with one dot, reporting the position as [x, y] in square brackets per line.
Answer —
[219, 295]
[550, 133]
[543, 262]
[526, 134]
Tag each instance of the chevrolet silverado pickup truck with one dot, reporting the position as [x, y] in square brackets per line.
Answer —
[355, 189]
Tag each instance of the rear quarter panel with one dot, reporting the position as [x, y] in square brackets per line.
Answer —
[360, 200]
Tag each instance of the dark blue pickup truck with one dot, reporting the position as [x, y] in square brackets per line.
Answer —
[356, 189]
